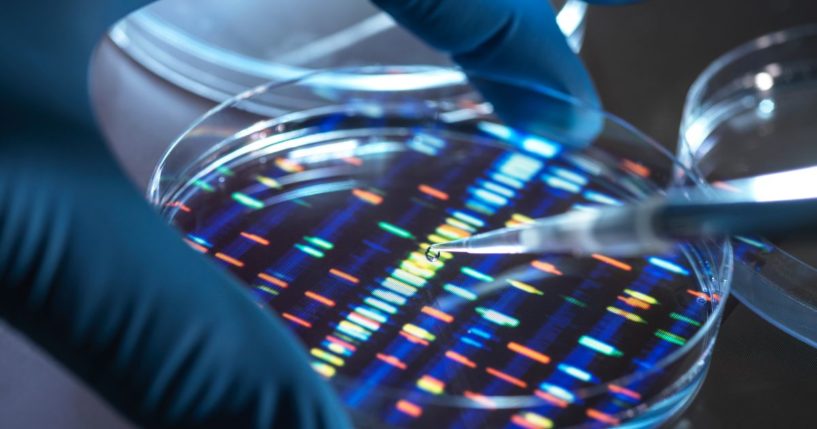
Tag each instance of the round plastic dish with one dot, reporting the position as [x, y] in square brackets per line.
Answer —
[325, 212]
[217, 49]
[752, 112]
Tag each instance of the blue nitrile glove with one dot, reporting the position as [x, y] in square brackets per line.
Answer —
[93, 275]
[514, 52]
[514, 39]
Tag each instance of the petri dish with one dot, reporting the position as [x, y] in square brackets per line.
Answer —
[750, 113]
[218, 49]
[325, 213]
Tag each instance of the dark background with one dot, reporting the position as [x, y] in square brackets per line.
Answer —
[643, 57]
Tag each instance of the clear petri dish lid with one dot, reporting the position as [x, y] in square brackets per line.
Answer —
[751, 113]
[218, 49]
[325, 211]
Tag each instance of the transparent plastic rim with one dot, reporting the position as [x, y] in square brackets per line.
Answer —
[157, 193]
[781, 260]
[696, 91]
[126, 34]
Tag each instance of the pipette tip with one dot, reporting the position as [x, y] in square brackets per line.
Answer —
[434, 250]
[432, 254]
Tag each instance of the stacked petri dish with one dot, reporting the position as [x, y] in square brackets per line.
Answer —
[325, 212]
[751, 113]
[218, 49]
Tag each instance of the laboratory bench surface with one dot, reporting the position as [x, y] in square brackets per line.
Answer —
[643, 58]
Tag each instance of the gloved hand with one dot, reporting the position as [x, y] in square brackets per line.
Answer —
[91, 273]
[94, 276]
[515, 54]
[514, 40]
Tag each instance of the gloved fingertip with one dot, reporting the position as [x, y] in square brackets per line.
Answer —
[541, 111]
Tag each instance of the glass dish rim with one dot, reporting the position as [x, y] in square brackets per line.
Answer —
[693, 102]
[708, 330]
[766, 41]
[129, 35]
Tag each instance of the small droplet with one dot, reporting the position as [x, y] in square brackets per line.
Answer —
[432, 255]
